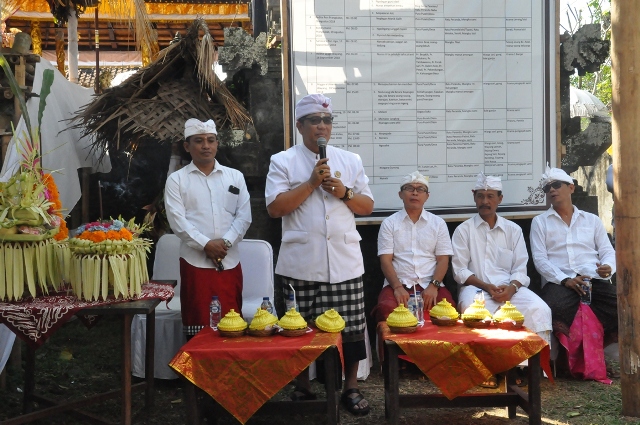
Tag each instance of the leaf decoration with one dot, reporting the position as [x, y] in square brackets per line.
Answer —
[47, 82]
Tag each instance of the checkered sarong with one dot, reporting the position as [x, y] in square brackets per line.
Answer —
[347, 298]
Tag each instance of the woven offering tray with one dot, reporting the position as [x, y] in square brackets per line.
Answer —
[403, 329]
[262, 332]
[231, 334]
[479, 324]
[443, 322]
[509, 325]
[293, 332]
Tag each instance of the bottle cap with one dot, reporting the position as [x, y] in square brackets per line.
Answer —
[291, 296]
[412, 295]
[265, 298]
[215, 297]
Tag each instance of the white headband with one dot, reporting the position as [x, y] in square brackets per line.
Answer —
[555, 174]
[415, 177]
[311, 104]
[488, 182]
[195, 126]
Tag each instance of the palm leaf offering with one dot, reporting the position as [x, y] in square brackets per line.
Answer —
[30, 210]
[107, 256]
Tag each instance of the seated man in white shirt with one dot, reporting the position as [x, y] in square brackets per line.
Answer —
[414, 249]
[567, 244]
[490, 254]
[208, 208]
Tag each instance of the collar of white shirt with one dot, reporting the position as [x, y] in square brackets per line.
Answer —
[423, 215]
[477, 221]
[193, 168]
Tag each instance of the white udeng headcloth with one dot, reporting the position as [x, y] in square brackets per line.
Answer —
[488, 182]
[415, 177]
[311, 104]
[555, 174]
[195, 126]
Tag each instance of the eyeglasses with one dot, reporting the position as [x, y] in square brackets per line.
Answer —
[315, 120]
[419, 189]
[556, 185]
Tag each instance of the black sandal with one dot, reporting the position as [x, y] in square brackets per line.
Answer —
[302, 394]
[351, 403]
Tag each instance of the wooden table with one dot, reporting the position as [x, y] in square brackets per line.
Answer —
[437, 341]
[209, 361]
[125, 309]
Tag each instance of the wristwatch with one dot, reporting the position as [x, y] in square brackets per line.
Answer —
[564, 281]
[348, 194]
[436, 283]
[227, 243]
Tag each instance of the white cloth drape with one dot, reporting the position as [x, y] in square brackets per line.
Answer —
[62, 148]
[6, 344]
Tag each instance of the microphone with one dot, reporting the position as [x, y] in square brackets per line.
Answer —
[322, 147]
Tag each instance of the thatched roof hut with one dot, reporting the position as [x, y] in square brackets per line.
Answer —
[153, 104]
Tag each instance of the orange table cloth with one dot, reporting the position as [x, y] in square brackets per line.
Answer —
[457, 358]
[243, 373]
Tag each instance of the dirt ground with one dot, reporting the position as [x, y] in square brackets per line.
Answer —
[76, 362]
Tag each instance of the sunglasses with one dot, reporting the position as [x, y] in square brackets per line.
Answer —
[419, 189]
[555, 185]
[316, 120]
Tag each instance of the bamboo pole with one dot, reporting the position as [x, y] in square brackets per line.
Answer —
[286, 72]
[625, 59]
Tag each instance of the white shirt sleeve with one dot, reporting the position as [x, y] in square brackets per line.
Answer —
[603, 245]
[461, 254]
[277, 179]
[443, 246]
[242, 216]
[385, 237]
[520, 259]
[546, 268]
[176, 216]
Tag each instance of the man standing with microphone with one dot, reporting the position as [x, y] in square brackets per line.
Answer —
[317, 189]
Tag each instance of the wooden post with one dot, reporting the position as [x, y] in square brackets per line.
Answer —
[286, 72]
[625, 57]
[98, 88]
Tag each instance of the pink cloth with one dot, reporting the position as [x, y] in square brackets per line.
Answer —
[585, 346]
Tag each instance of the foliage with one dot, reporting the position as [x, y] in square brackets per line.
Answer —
[597, 83]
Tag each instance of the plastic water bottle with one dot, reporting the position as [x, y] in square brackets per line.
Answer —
[479, 296]
[586, 287]
[291, 303]
[215, 313]
[420, 301]
[412, 305]
[266, 305]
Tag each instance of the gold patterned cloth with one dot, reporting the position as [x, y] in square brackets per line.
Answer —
[243, 373]
[457, 358]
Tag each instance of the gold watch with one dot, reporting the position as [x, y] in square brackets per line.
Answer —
[348, 194]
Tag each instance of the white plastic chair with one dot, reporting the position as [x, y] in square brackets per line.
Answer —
[6, 345]
[256, 258]
[169, 336]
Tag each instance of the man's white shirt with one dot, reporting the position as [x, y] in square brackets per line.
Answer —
[202, 207]
[495, 256]
[560, 251]
[414, 245]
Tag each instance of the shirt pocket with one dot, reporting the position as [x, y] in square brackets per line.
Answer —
[230, 202]
[295, 236]
[585, 235]
[505, 259]
[352, 236]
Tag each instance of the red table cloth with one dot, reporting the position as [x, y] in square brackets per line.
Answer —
[458, 358]
[243, 373]
[36, 319]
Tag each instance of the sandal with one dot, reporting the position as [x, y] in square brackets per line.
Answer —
[302, 394]
[491, 383]
[351, 403]
[521, 377]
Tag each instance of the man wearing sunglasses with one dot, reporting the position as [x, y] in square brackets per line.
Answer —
[320, 254]
[490, 254]
[414, 249]
[568, 244]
